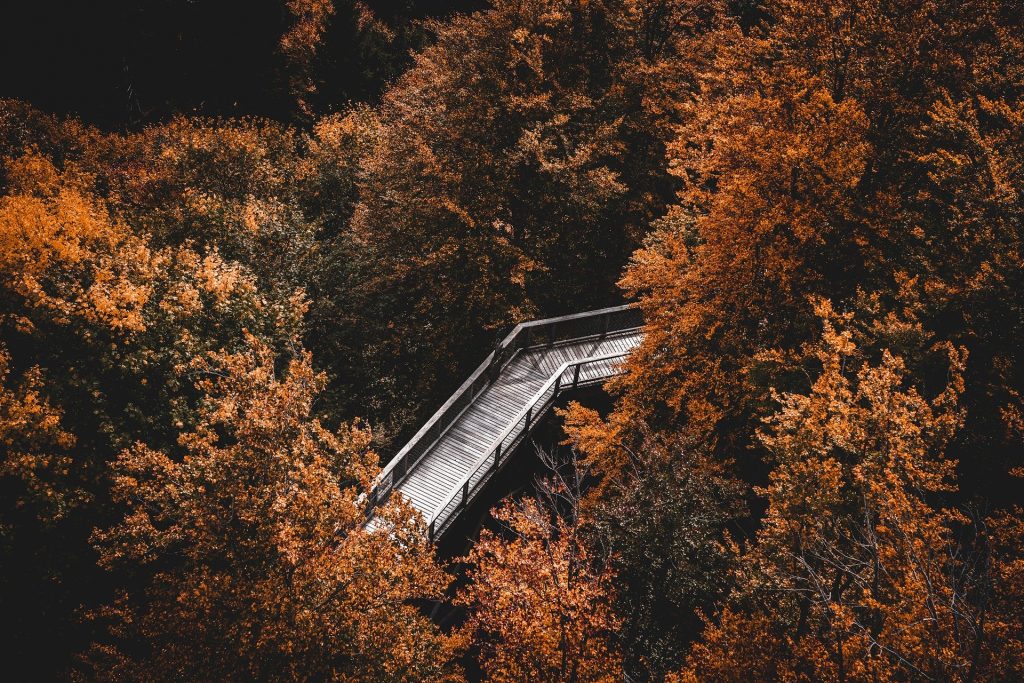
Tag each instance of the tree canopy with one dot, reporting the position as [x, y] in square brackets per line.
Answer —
[222, 308]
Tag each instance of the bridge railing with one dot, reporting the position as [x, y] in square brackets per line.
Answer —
[570, 375]
[531, 334]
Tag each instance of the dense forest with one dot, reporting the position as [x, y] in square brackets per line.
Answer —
[246, 249]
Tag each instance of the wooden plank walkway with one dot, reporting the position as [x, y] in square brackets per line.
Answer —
[442, 468]
[467, 441]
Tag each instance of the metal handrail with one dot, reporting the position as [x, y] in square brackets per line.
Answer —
[548, 331]
[529, 415]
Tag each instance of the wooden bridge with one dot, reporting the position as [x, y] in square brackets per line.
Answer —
[473, 434]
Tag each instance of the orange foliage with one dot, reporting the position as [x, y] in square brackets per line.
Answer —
[826, 156]
[36, 447]
[540, 606]
[855, 163]
[301, 42]
[515, 166]
[252, 551]
[65, 254]
[856, 573]
[99, 327]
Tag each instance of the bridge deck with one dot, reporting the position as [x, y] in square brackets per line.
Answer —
[470, 437]
[442, 468]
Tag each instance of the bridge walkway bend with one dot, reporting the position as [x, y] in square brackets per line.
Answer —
[471, 436]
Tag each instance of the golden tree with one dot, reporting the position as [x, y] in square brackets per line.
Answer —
[540, 602]
[517, 163]
[36, 449]
[98, 327]
[248, 557]
[857, 573]
[841, 148]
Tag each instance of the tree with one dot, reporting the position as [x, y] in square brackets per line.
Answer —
[98, 327]
[858, 152]
[662, 513]
[301, 43]
[857, 572]
[540, 602]
[828, 154]
[518, 161]
[224, 184]
[36, 451]
[269, 197]
[339, 53]
[249, 558]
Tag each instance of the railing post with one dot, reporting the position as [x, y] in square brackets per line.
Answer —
[430, 530]
[576, 376]
[551, 334]
[558, 385]
[465, 493]
[495, 367]
[529, 416]
[606, 318]
[497, 455]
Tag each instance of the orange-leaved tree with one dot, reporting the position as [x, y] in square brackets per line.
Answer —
[540, 601]
[859, 572]
[841, 148]
[98, 324]
[246, 556]
[36, 451]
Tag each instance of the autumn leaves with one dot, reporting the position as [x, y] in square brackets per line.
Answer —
[253, 556]
[809, 470]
